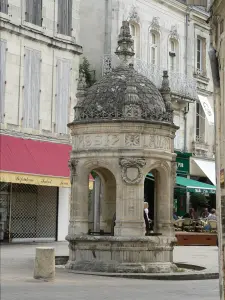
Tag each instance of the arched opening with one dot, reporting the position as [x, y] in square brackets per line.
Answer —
[173, 55]
[135, 33]
[157, 195]
[154, 48]
[101, 201]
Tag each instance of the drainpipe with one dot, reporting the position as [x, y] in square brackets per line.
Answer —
[186, 72]
[107, 42]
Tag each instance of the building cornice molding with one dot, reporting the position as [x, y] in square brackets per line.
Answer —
[36, 137]
[34, 35]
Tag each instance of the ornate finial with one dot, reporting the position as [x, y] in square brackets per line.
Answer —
[165, 82]
[82, 81]
[81, 94]
[165, 91]
[132, 107]
[125, 49]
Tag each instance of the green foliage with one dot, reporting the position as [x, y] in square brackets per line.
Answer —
[198, 200]
[85, 68]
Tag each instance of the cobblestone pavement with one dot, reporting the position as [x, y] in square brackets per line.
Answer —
[17, 282]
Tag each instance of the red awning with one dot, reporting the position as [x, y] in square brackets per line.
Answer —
[34, 157]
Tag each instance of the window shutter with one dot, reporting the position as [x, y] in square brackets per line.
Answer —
[27, 83]
[38, 12]
[29, 11]
[60, 15]
[31, 89]
[36, 65]
[4, 6]
[65, 17]
[2, 78]
[70, 13]
[62, 95]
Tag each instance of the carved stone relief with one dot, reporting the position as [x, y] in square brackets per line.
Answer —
[133, 14]
[173, 32]
[174, 171]
[132, 140]
[155, 24]
[131, 169]
[157, 142]
[72, 164]
[96, 141]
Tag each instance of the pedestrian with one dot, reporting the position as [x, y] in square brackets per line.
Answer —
[205, 213]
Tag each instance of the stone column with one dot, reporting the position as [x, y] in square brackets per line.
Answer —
[108, 204]
[130, 197]
[79, 201]
[164, 203]
[97, 192]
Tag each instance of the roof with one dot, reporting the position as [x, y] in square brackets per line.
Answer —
[123, 94]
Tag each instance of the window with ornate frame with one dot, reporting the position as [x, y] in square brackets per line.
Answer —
[173, 55]
[154, 39]
[200, 123]
[135, 33]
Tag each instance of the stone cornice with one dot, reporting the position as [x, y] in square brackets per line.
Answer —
[41, 37]
[38, 137]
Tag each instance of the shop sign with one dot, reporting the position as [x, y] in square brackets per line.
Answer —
[183, 165]
[34, 179]
[222, 181]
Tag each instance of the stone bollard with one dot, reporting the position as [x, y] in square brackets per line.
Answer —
[44, 267]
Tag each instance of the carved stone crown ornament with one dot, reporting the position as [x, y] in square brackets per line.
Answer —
[133, 15]
[131, 169]
[173, 32]
[72, 164]
[125, 49]
[155, 24]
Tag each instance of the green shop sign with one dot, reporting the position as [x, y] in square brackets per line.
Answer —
[183, 163]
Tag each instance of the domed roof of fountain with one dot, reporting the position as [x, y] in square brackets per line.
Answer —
[123, 93]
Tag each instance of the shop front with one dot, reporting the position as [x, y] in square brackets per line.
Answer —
[34, 190]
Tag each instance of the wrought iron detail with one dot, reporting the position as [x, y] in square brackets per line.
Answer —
[180, 84]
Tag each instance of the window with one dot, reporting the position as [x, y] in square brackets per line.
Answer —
[32, 67]
[173, 55]
[2, 79]
[154, 48]
[4, 6]
[201, 55]
[200, 123]
[62, 95]
[34, 12]
[65, 17]
[134, 31]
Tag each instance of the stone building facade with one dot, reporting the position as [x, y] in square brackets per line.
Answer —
[39, 61]
[169, 35]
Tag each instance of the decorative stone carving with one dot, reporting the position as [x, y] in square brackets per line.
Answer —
[133, 15]
[157, 142]
[132, 140]
[173, 32]
[165, 91]
[72, 164]
[131, 169]
[174, 171]
[88, 141]
[155, 24]
[125, 49]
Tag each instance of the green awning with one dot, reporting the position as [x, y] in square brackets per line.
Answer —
[194, 186]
